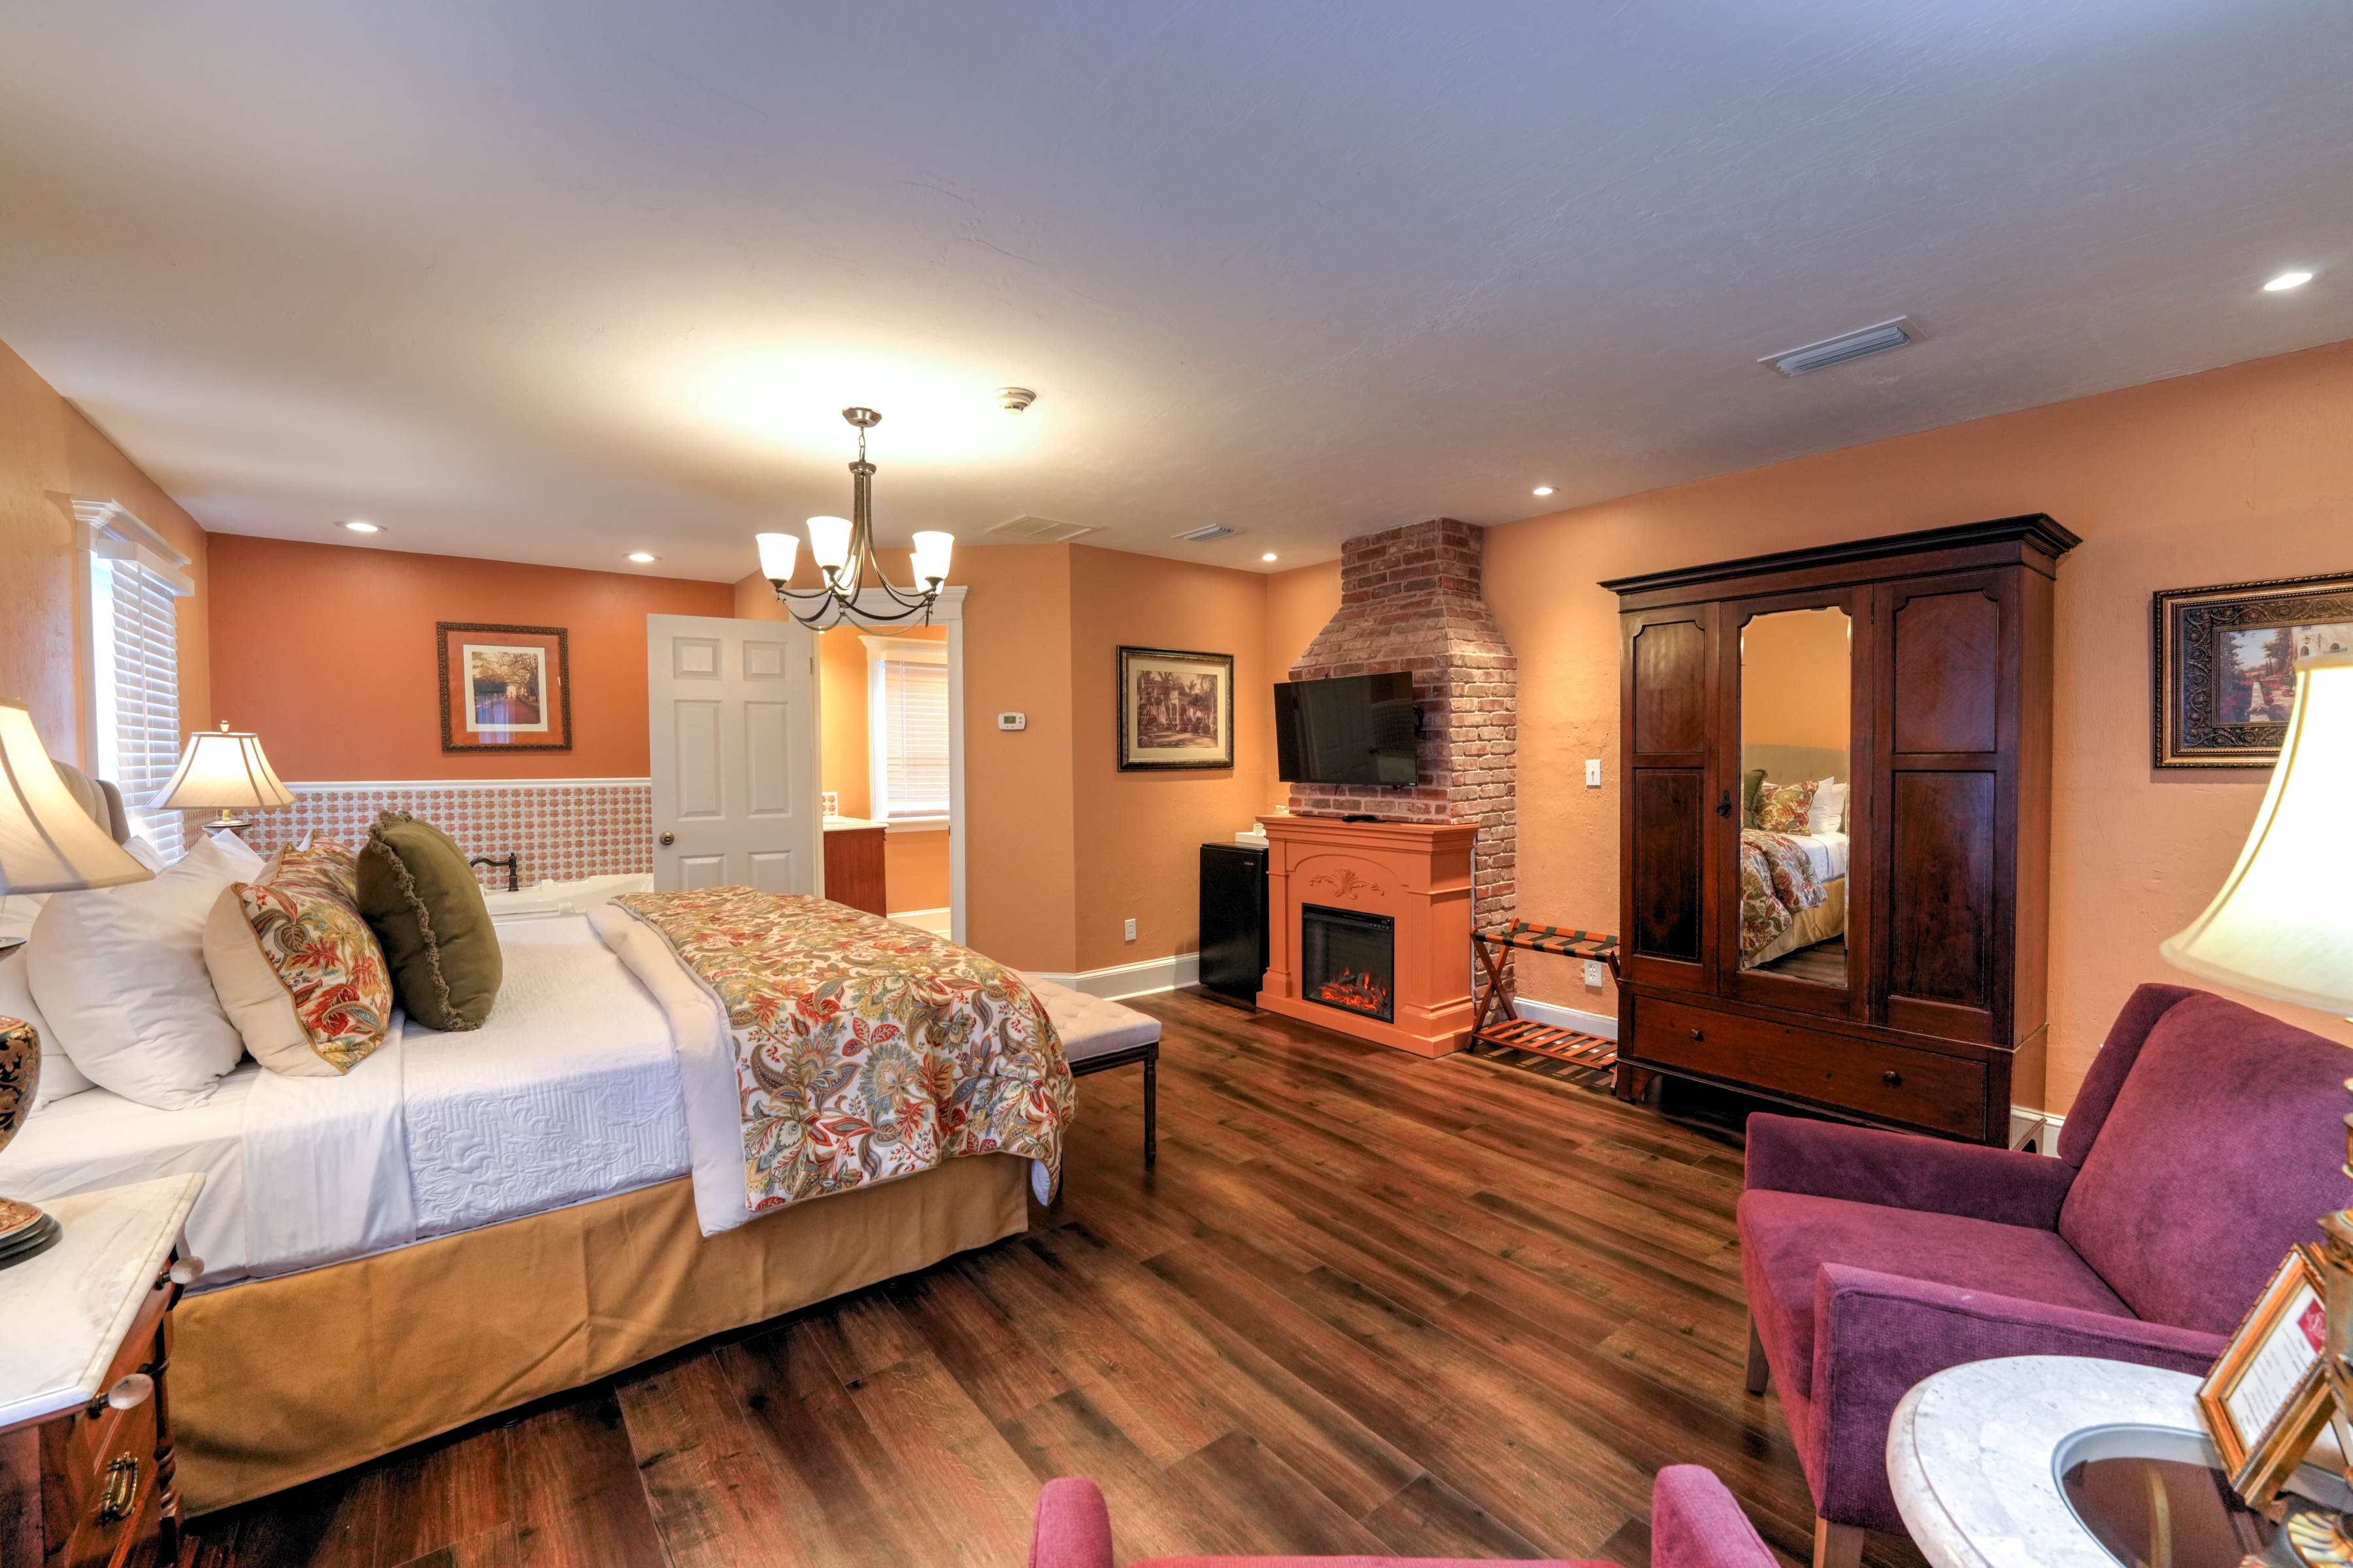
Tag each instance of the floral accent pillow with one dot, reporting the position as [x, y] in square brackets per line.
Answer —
[1786, 806]
[299, 971]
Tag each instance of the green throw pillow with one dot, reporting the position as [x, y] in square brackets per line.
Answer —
[420, 895]
[1752, 796]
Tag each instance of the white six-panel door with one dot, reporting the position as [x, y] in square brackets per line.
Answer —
[735, 735]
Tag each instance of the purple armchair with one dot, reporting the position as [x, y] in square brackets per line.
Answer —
[2206, 1140]
[1695, 1523]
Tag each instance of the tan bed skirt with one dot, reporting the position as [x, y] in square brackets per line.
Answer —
[1823, 922]
[282, 1380]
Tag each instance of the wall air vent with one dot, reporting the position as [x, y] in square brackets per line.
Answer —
[1203, 535]
[1039, 530]
[1876, 340]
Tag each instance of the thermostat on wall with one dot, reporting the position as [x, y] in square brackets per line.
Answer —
[1013, 720]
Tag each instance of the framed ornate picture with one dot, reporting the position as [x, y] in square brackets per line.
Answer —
[2225, 665]
[2267, 1398]
[1176, 709]
[504, 688]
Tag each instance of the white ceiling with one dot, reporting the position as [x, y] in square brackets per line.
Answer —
[554, 281]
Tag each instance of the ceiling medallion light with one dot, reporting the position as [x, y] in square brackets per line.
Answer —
[2286, 281]
[843, 549]
[1014, 399]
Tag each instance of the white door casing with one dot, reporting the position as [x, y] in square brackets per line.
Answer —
[731, 711]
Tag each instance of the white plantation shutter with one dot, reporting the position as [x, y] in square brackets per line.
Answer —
[909, 730]
[135, 641]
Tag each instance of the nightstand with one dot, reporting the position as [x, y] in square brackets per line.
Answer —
[85, 1431]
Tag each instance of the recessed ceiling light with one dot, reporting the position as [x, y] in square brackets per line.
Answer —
[2287, 280]
[364, 528]
[1544, 490]
[639, 556]
[1268, 556]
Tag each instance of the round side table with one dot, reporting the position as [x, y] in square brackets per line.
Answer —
[2067, 1462]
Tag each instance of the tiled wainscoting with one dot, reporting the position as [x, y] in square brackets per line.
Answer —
[563, 828]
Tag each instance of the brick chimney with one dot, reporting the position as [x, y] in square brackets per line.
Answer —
[1409, 599]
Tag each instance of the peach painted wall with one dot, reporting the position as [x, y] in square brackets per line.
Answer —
[49, 455]
[1139, 833]
[2233, 475]
[1299, 604]
[915, 864]
[328, 652]
[1797, 681]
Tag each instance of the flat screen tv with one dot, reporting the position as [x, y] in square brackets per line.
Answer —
[1355, 729]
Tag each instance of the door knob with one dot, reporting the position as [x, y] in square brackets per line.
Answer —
[668, 839]
[1891, 1079]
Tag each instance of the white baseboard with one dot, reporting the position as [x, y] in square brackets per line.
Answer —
[2043, 1126]
[1560, 1017]
[1124, 980]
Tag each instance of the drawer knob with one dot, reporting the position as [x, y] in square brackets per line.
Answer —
[186, 1270]
[133, 1391]
[1892, 1079]
[1696, 1035]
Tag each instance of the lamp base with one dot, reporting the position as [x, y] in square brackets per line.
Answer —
[227, 822]
[2318, 1536]
[25, 1232]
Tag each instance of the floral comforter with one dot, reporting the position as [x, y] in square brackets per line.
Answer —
[1777, 880]
[864, 1049]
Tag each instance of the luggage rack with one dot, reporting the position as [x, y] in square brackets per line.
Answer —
[1510, 1032]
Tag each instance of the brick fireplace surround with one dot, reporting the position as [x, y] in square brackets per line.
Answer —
[1411, 599]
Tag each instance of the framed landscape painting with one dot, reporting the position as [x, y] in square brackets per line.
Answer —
[2225, 665]
[505, 688]
[1176, 709]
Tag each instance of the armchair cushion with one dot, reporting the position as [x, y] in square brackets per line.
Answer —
[1786, 1238]
[2220, 1151]
[1899, 1171]
[1881, 1333]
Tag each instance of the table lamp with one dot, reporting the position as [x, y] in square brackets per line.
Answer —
[2283, 927]
[223, 771]
[48, 845]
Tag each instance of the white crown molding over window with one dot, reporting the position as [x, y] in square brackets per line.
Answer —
[109, 529]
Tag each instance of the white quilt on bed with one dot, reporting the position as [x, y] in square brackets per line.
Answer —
[326, 1164]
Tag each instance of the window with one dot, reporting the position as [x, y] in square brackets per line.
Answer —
[135, 586]
[907, 728]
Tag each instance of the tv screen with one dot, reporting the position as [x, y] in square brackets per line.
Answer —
[1355, 729]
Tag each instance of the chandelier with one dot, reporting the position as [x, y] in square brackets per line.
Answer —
[843, 549]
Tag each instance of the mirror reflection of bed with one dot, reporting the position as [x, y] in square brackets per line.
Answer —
[1796, 778]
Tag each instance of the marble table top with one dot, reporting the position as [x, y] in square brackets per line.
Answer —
[67, 1309]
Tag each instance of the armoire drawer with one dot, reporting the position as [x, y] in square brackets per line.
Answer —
[1896, 1083]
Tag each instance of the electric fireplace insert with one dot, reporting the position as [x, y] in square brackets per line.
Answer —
[1348, 961]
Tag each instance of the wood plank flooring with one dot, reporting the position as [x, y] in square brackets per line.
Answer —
[1366, 1304]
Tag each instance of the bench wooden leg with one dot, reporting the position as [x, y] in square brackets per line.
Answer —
[1152, 1105]
[1837, 1545]
[1760, 1373]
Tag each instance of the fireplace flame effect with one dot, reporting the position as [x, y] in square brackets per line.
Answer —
[1356, 993]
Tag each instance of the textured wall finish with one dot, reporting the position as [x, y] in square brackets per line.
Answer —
[1409, 599]
[562, 828]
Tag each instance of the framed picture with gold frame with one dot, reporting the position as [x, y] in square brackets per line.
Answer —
[2266, 1401]
[504, 688]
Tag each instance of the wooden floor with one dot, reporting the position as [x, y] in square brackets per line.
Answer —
[1366, 1304]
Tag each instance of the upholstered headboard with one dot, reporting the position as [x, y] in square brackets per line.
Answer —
[98, 797]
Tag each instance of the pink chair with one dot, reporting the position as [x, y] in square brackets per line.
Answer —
[1695, 1523]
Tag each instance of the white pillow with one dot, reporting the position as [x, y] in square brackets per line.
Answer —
[59, 1076]
[1828, 814]
[120, 974]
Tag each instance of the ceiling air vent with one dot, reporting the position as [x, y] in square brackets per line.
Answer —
[1203, 535]
[1039, 530]
[1876, 340]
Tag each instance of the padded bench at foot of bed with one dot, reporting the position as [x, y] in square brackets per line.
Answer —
[1099, 1034]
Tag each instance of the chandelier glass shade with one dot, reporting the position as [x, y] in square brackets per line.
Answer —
[843, 550]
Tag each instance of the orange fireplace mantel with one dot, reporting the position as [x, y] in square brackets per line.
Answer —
[1416, 873]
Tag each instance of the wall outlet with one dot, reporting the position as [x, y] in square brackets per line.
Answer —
[1013, 720]
[1593, 772]
[1596, 971]
[1131, 930]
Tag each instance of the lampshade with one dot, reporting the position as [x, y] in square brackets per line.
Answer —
[829, 541]
[932, 552]
[777, 554]
[2282, 926]
[221, 771]
[48, 842]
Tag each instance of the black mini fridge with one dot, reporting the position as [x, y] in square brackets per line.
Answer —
[1233, 920]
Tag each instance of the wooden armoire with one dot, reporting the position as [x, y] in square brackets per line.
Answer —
[1926, 1012]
